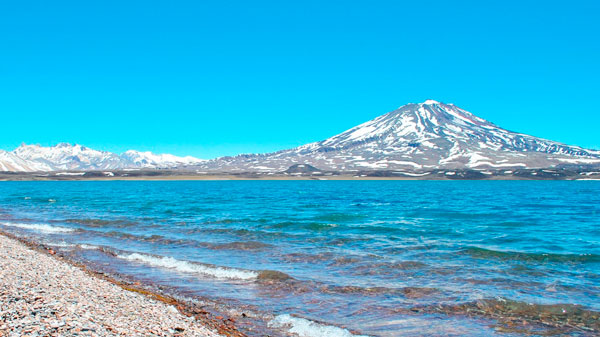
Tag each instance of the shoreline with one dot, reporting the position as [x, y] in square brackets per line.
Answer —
[197, 321]
[285, 178]
[537, 174]
[511, 315]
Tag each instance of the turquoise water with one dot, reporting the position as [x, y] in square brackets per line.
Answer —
[379, 258]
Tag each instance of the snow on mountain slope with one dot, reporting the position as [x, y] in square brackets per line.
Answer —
[11, 162]
[67, 157]
[418, 137]
[151, 160]
[413, 138]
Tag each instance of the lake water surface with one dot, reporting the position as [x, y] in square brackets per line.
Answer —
[377, 258]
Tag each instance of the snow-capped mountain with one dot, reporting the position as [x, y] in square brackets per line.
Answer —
[67, 157]
[150, 160]
[10, 162]
[413, 138]
[418, 137]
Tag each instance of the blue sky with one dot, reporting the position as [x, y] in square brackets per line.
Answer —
[211, 78]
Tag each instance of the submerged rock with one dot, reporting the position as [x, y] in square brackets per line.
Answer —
[243, 245]
[273, 275]
[519, 315]
[419, 292]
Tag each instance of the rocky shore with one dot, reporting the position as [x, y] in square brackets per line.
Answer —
[44, 296]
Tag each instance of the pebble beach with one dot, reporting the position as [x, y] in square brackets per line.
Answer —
[43, 296]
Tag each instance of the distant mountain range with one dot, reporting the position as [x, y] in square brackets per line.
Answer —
[67, 157]
[413, 138]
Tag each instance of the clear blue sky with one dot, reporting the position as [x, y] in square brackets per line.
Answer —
[211, 78]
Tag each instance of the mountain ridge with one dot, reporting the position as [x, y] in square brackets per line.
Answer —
[415, 137]
[67, 157]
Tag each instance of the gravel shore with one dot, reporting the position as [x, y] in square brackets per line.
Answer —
[43, 296]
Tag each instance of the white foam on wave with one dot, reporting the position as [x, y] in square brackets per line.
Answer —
[84, 246]
[60, 244]
[307, 328]
[64, 244]
[44, 228]
[188, 267]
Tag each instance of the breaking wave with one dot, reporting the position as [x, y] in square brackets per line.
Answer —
[60, 244]
[43, 228]
[85, 246]
[64, 244]
[307, 328]
[190, 267]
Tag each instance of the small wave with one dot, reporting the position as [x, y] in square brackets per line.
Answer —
[190, 267]
[241, 245]
[223, 221]
[407, 292]
[235, 245]
[400, 265]
[318, 226]
[478, 252]
[44, 228]
[306, 328]
[310, 225]
[328, 257]
[146, 238]
[101, 222]
[339, 217]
